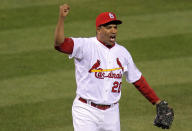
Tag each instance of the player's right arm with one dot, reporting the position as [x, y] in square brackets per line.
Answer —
[59, 31]
[62, 43]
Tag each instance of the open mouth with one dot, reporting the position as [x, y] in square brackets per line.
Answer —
[112, 38]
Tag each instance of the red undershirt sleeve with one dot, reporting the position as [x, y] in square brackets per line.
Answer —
[146, 90]
[66, 47]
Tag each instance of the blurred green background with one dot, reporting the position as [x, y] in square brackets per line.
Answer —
[37, 83]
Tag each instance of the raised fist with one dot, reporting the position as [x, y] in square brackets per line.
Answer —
[64, 10]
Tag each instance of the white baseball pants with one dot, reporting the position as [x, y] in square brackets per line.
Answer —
[89, 118]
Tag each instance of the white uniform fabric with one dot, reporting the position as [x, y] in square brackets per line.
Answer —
[88, 118]
[100, 87]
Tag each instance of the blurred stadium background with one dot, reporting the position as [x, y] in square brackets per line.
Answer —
[37, 83]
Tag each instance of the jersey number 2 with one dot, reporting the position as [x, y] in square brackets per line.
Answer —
[116, 87]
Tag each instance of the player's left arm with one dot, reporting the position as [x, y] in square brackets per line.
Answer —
[165, 113]
[144, 88]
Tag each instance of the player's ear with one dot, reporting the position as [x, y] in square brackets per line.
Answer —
[98, 29]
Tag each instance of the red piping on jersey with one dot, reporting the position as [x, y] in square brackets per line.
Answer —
[146, 90]
[66, 46]
[95, 66]
[108, 46]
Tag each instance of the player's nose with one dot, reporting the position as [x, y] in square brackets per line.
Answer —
[114, 30]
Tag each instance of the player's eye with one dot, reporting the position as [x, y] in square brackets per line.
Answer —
[108, 27]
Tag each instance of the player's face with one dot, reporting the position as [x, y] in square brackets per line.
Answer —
[107, 34]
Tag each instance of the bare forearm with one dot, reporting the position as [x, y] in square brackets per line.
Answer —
[59, 31]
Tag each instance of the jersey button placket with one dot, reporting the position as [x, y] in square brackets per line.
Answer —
[109, 66]
[107, 84]
[109, 59]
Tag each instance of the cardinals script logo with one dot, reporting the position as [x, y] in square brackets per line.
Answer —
[106, 73]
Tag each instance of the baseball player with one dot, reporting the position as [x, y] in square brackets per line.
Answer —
[100, 64]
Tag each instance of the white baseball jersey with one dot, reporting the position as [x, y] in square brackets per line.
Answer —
[99, 70]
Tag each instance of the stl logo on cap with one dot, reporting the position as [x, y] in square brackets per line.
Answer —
[111, 15]
[106, 17]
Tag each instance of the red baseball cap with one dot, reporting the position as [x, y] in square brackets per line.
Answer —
[106, 17]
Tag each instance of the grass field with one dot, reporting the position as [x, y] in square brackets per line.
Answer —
[37, 83]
